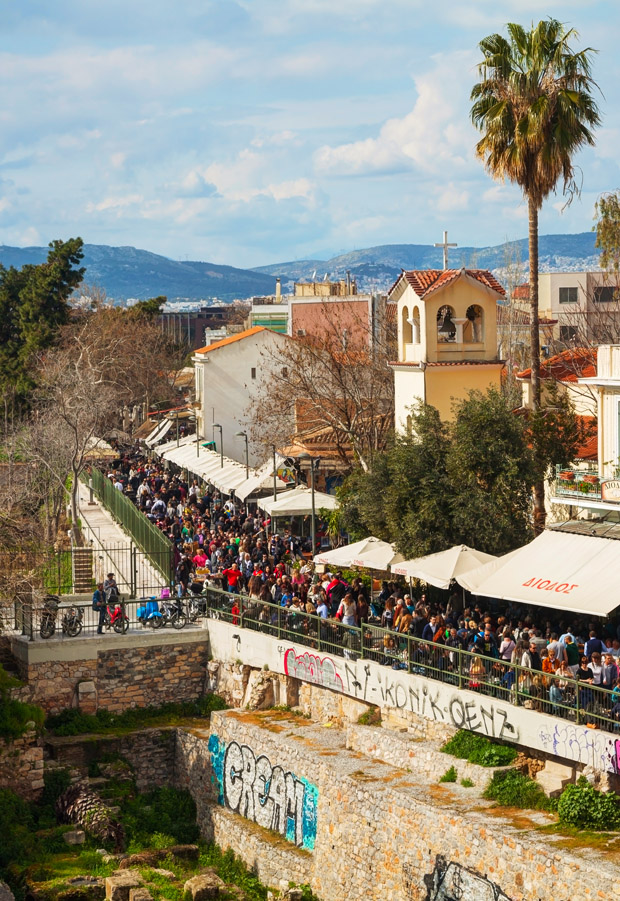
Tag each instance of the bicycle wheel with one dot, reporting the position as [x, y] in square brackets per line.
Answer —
[121, 625]
[178, 620]
[156, 621]
[194, 611]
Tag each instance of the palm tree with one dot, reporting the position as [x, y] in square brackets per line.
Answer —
[534, 107]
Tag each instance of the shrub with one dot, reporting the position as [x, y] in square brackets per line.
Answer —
[511, 788]
[72, 722]
[449, 775]
[467, 783]
[583, 806]
[55, 782]
[14, 715]
[479, 749]
[165, 812]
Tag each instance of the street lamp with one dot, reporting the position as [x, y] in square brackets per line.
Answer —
[273, 447]
[216, 425]
[314, 461]
[247, 459]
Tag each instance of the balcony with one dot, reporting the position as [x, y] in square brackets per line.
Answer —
[577, 484]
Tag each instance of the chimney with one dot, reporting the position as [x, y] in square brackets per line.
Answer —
[278, 291]
[348, 281]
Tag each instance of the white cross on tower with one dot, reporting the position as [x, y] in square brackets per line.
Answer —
[445, 246]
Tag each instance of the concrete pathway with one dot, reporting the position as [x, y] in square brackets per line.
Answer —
[113, 550]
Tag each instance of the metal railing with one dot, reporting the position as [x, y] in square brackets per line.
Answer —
[577, 483]
[147, 536]
[557, 695]
[560, 696]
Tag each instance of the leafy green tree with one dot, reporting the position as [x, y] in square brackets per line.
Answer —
[34, 306]
[149, 308]
[534, 107]
[607, 213]
[490, 469]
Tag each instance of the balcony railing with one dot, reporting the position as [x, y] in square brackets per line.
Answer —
[577, 484]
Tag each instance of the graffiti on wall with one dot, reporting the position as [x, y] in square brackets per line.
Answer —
[266, 794]
[384, 687]
[450, 881]
[310, 668]
[583, 745]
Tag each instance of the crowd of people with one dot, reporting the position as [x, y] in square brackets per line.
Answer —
[560, 664]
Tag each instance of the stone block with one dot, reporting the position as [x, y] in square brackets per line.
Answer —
[87, 697]
[204, 886]
[140, 894]
[555, 777]
[119, 886]
[184, 852]
[167, 874]
[74, 837]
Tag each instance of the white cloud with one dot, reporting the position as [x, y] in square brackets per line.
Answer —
[115, 203]
[452, 198]
[117, 160]
[432, 138]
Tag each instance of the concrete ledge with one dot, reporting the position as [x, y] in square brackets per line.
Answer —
[89, 648]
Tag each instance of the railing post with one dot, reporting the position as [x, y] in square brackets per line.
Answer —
[134, 570]
[516, 686]
[460, 665]
[362, 642]
[577, 718]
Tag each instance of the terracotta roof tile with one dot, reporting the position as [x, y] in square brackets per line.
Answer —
[425, 281]
[231, 339]
[589, 448]
[568, 366]
[521, 292]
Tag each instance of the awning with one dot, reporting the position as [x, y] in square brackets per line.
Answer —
[346, 555]
[441, 568]
[577, 573]
[260, 479]
[157, 434]
[298, 502]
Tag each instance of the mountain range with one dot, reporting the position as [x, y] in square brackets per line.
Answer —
[126, 272]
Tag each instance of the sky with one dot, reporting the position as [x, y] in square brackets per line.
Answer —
[250, 132]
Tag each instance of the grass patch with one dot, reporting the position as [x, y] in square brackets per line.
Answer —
[450, 775]
[511, 788]
[72, 722]
[15, 715]
[163, 814]
[479, 749]
[467, 783]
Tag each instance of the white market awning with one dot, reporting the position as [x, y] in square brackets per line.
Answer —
[298, 502]
[577, 573]
[441, 568]
[160, 432]
[259, 479]
[349, 553]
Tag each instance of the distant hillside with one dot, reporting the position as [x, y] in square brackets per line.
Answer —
[377, 267]
[128, 272]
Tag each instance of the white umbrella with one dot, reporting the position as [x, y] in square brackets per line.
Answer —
[440, 569]
[347, 555]
[381, 556]
[298, 502]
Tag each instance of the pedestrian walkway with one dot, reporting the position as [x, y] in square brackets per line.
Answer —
[114, 550]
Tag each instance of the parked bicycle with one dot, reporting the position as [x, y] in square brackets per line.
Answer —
[170, 611]
[71, 623]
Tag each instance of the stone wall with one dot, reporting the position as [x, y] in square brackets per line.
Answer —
[140, 671]
[380, 832]
[21, 766]
[151, 753]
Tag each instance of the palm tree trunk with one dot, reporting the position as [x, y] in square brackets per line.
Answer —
[538, 489]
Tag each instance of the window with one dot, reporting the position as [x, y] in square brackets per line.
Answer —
[568, 333]
[446, 329]
[569, 295]
[605, 294]
[407, 327]
[253, 372]
[473, 332]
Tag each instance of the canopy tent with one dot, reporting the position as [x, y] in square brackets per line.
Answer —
[577, 573]
[170, 445]
[298, 502]
[367, 549]
[441, 568]
[378, 557]
[261, 478]
[474, 577]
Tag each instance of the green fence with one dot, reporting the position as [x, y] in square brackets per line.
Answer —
[147, 536]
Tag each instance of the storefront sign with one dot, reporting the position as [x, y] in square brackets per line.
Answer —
[610, 490]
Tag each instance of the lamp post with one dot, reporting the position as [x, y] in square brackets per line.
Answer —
[216, 425]
[314, 461]
[275, 493]
[247, 458]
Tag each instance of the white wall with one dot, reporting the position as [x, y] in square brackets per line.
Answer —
[228, 388]
[437, 701]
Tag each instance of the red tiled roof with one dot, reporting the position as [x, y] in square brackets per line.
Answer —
[231, 339]
[568, 366]
[521, 292]
[451, 363]
[425, 281]
[589, 448]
